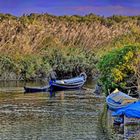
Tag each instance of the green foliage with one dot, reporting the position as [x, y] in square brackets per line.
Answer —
[32, 66]
[118, 66]
[28, 66]
[70, 60]
[7, 16]
[6, 64]
[87, 18]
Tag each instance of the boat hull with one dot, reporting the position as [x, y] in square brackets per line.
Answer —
[116, 101]
[66, 84]
[114, 106]
[74, 83]
[36, 89]
[57, 87]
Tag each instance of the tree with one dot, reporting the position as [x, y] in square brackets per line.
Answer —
[119, 68]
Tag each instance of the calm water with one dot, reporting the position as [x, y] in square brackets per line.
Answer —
[69, 115]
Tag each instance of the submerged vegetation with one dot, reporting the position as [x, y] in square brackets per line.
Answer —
[31, 44]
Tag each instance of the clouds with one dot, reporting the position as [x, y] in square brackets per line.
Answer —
[64, 7]
[104, 10]
[127, 3]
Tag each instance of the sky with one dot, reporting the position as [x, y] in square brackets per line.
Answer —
[71, 7]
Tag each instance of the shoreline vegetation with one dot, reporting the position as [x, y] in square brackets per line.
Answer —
[31, 44]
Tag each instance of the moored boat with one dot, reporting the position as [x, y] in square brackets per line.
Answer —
[118, 100]
[125, 109]
[36, 89]
[73, 83]
[130, 111]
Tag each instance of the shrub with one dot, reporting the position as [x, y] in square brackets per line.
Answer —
[118, 68]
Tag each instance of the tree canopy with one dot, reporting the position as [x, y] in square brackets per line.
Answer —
[119, 68]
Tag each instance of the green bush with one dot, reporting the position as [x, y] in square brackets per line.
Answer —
[70, 60]
[32, 66]
[117, 67]
[6, 64]
[27, 66]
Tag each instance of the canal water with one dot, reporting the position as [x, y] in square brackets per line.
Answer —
[65, 115]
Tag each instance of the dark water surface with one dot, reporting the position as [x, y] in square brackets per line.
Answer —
[65, 115]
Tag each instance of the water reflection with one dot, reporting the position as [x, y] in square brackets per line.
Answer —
[52, 94]
[62, 95]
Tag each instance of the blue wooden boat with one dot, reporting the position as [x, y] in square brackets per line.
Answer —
[73, 83]
[118, 100]
[36, 89]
